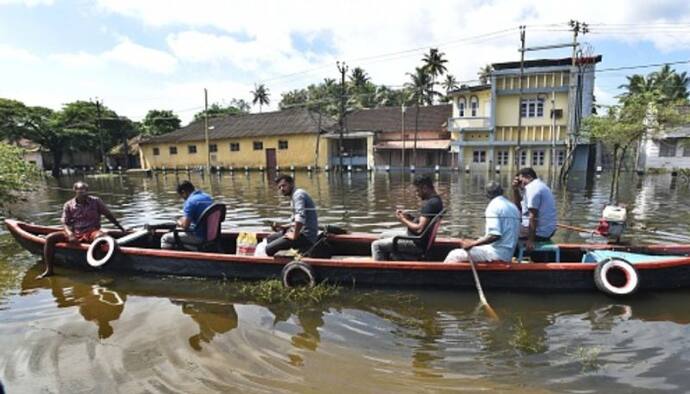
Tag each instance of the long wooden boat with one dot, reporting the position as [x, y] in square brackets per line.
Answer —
[656, 266]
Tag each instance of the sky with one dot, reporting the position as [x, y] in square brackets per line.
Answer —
[137, 55]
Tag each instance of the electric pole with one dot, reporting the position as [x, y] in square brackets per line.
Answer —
[342, 68]
[520, 91]
[100, 133]
[574, 102]
[208, 147]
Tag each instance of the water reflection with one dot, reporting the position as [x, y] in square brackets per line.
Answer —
[212, 318]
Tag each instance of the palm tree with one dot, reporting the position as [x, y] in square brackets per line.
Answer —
[450, 83]
[434, 63]
[484, 74]
[359, 77]
[261, 94]
[422, 91]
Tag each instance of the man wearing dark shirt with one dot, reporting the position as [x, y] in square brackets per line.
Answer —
[81, 218]
[431, 206]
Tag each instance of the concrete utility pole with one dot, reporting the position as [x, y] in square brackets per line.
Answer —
[522, 73]
[100, 132]
[342, 68]
[574, 102]
[208, 147]
[402, 133]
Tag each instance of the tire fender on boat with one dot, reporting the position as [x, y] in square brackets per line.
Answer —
[95, 246]
[296, 273]
[601, 279]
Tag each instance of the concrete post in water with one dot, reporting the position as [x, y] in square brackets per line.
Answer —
[467, 169]
[437, 168]
[292, 168]
[498, 169]
[349, 168]
[246, 169]
[326, 168]
[309, 168]
[261, 168]
[412, 168]
[388, 168]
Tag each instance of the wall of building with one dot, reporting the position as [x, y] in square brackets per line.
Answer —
[300, 152]
[680, 160]
[538, 158]
[484, 101]
[507, 110]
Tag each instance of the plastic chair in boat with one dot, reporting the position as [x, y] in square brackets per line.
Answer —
[431, 229]
[211, 218]
[539, 247]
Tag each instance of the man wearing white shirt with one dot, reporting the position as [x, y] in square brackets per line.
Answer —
[501, 235]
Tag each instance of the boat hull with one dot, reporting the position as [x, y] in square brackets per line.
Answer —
[670, 274]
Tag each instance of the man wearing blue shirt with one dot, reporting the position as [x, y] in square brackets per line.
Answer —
[534, 198]
[195, 203]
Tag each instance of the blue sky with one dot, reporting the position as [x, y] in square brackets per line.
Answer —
[137, 55]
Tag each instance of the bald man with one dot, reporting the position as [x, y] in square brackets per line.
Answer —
[81, 220]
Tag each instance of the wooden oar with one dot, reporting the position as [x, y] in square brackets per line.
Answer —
[482, 299]
[579, 229]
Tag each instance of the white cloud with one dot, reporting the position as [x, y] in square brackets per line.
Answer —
[11, 54]
[28, 3]
[126, 52]
[142, 57]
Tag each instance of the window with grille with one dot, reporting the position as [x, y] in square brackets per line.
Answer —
[502, 157]
[234, 147]
[258, 145]
[282, 144]
[173, 150]
[667, 148]
[523, 158]
[156, 151]
[538, 158]
[191, 149]
[213, 148]
[479, 156]
[532, 108]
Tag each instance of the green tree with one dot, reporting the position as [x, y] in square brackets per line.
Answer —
[12, 114]
[261, 96]
[421, 87]
[484, 74]
[17, 176]
[236, 107]
[358, 77]
[624, 125]
[434, 64]
[157, 122]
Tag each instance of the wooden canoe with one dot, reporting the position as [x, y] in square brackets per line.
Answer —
[144, 257]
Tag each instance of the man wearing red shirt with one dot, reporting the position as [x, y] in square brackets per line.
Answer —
[81, 218]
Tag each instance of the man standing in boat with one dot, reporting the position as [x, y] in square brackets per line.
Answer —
[432, 206]
[81, 219]
[195, 203]
[301, 233]
[534, 198]
[501, 235]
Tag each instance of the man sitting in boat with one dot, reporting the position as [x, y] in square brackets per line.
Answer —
[432, 205]
[301, 233]
[534, 198]
[195, 203]
[502, 229]
[81, 219]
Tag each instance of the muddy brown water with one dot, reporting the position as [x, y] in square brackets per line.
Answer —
[81, 332]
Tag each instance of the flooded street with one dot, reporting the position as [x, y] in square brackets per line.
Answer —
[94, 332]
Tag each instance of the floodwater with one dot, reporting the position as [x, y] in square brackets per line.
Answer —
[81, 332]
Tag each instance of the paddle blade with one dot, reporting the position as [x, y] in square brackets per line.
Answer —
[491, 312]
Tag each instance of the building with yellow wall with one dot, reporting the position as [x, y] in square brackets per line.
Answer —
[490, 121]
[283, 138]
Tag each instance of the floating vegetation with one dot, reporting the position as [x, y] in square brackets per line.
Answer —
[524, 341]
[588, 357]
[273, 292]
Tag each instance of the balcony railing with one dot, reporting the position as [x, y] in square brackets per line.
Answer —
[459, 124]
